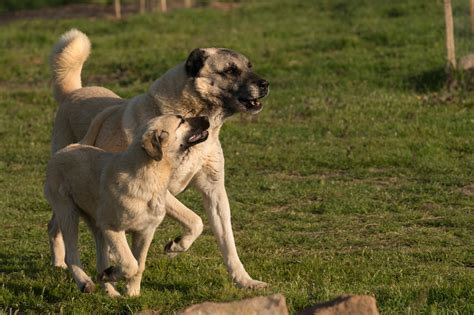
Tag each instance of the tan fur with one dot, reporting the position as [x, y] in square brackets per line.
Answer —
[67, 58]
[116, 193]
[212, 91]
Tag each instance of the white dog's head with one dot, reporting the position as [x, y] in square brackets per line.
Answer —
[169, 136]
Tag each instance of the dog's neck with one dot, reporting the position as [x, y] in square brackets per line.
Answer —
[173, 94]
[137, 161]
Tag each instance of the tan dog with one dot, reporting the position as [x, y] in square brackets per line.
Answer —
[214, 82]
[118, 193]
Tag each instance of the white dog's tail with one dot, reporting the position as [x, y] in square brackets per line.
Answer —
[67, 58]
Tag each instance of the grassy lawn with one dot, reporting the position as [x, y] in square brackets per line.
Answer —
[357, 177]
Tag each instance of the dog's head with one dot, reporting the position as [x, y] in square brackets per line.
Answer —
[170, 136]
[224, 78]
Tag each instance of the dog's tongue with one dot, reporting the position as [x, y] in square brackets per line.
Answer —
[194, 138]
[197, 136]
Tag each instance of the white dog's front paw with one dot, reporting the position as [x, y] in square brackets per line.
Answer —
[133, 291]
[249, 283]
[133, 285]
[110, 289]
[61, 265]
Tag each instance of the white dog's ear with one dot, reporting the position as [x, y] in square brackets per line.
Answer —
[151, 143]
[195, 61]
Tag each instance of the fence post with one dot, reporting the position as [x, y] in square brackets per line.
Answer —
[142, 6]
[448, 17]
[118, 9]
[163, 6]
[471, 2]
[189, 3]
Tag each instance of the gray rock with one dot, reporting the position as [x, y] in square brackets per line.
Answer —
[344, 305]
[467, 62]
[262, 305]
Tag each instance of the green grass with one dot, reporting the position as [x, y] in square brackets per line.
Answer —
[356, 178]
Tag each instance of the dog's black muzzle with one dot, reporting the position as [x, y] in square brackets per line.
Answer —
[198, 133]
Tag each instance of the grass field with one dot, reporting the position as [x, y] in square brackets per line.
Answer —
[357, 177]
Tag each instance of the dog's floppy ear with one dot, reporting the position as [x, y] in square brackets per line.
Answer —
[195, 61]
[151, 143]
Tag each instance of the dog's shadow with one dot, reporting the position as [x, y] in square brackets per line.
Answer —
[32, 275]
[26, 264]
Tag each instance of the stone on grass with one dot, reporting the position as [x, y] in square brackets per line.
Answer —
[262, 305]
[467, 62]
[344, 305]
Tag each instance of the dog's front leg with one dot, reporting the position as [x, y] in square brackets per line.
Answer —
[140, 244]
[186, 217]
[217, 207]
[127, 264]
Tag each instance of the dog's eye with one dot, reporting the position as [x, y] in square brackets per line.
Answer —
[232, 69]
[249, 65]
[182, 121]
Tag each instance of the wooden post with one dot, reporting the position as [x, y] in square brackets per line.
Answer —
[189, 3]
[163, 6]
[142, 6]
[448, 17]
[471, 2]
[118, 9]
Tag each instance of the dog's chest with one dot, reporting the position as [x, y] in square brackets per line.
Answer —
[185, 172]
[152, 215]
[193, 163]
[155, 208]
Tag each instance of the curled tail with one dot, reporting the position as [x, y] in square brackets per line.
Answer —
[67, 58]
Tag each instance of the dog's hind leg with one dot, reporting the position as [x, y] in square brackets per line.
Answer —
[68, 220]
[56, 243]
[140, 244]
[190, 220]
[102, 257]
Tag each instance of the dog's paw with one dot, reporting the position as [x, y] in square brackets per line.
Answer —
[250, 283]
[133, 285]
[61, 266]
[173, 248]
[110, 289]
[133, 291]
[88, 287]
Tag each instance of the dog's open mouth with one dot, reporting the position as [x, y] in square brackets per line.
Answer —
[251, 104]
[198, 137]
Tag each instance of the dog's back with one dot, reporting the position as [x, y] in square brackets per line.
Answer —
[74, 173]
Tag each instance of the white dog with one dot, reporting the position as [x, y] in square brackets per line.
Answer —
[118, 193]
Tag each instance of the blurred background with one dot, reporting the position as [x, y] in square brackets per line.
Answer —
[9, 9]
